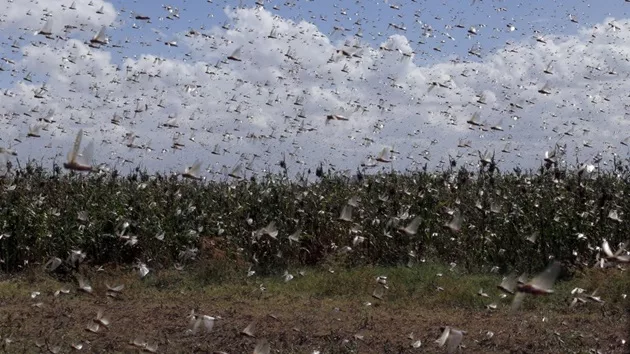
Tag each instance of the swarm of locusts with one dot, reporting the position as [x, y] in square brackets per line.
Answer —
[479, 219]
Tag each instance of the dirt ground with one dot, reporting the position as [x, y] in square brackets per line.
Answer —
[291, 324]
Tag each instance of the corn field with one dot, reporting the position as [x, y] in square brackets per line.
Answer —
[478, 220]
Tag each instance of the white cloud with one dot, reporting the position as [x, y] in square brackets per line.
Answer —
[229, 103]
[36, 13]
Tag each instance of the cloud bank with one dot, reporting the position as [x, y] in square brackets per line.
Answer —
[273, 102]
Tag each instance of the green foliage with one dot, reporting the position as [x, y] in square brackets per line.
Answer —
[45, 214]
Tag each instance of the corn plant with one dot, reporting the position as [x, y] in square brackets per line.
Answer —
[479, 220]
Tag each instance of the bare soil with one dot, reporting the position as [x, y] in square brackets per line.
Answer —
[291, 324]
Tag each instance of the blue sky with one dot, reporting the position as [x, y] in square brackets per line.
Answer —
[425, 123]
[547, 17]
[491, 19]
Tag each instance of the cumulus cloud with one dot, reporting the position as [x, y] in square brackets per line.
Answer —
[274, 102]
[34, 16]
